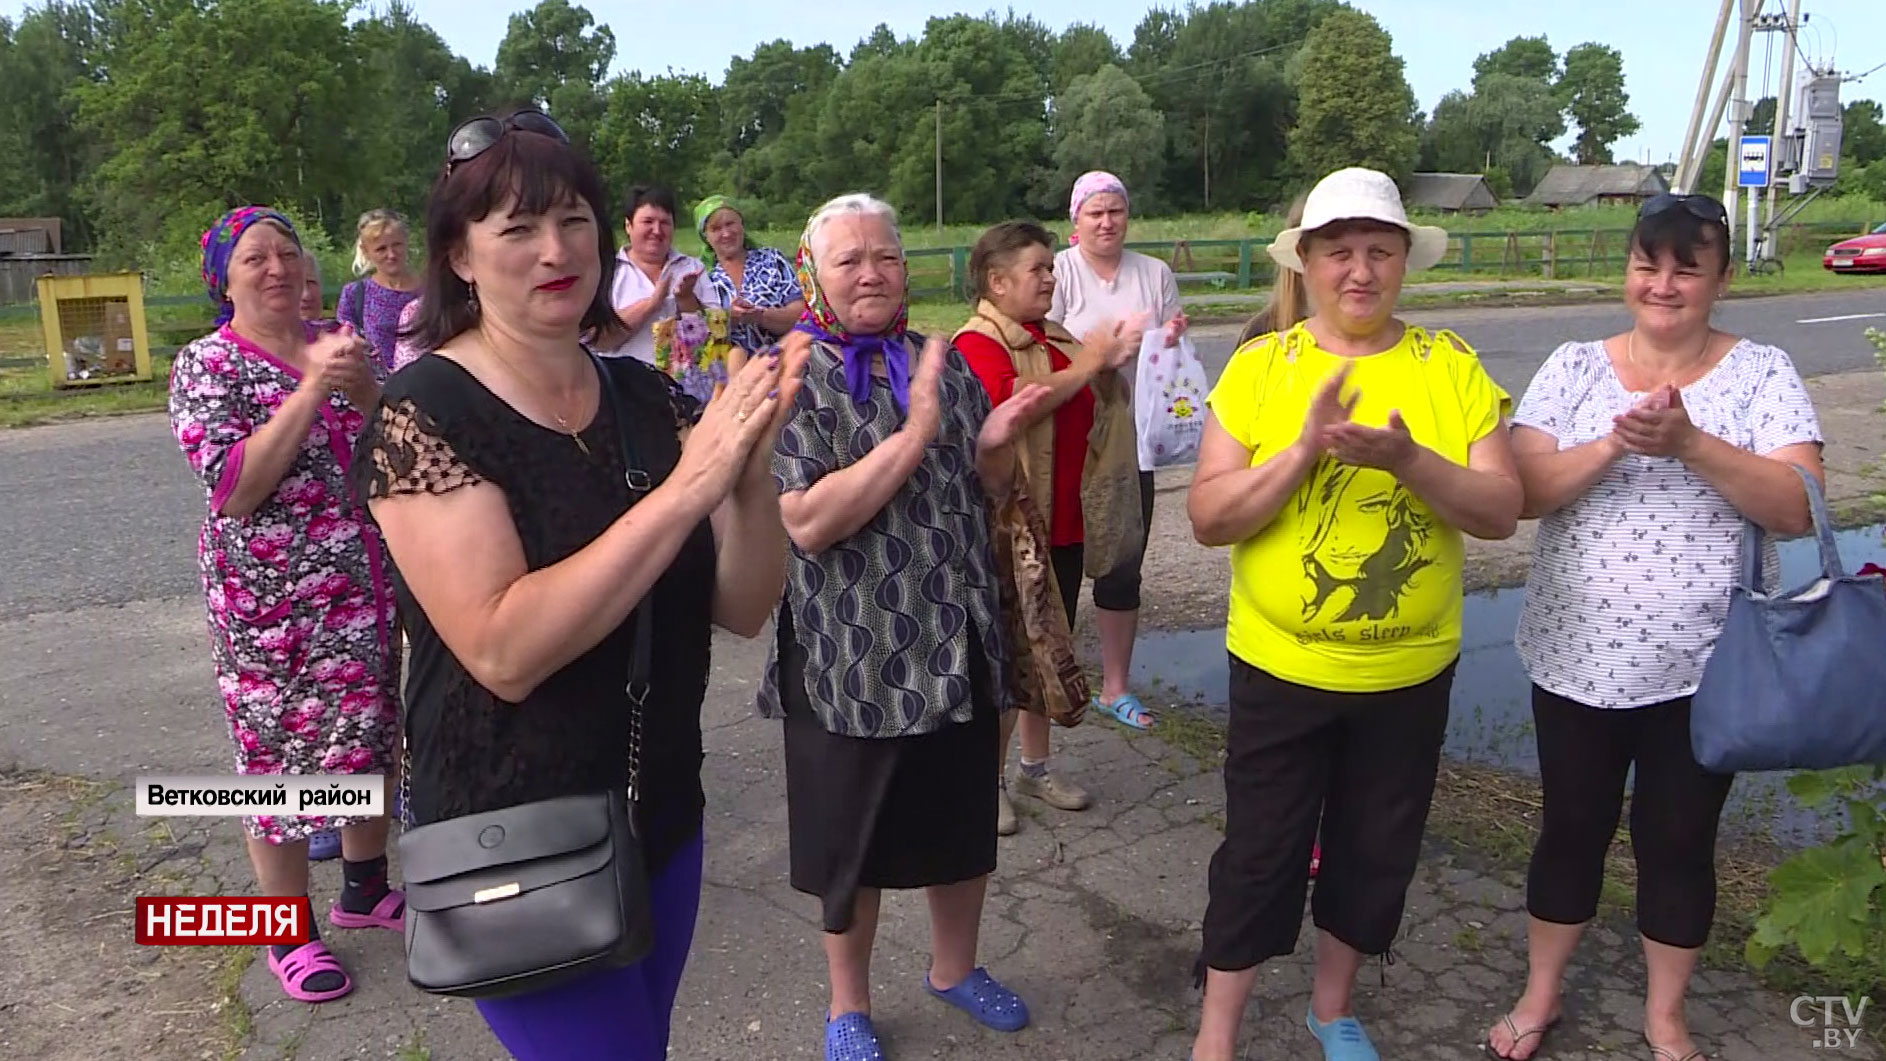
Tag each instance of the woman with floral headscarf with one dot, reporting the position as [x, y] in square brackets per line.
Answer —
[889, 659]
[1097, 280]
[302, 621]
[758, 284]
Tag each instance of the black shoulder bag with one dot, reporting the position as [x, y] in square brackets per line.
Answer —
[522, 898]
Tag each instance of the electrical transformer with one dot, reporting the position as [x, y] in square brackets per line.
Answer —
[1820, 128]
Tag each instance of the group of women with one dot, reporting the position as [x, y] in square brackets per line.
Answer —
[509, 501]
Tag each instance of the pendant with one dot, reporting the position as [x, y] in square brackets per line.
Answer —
[580, 444]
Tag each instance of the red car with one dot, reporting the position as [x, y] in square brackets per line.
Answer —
[1861, 254]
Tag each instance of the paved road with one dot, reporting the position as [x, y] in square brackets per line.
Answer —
[103, 512]
[1824, 333]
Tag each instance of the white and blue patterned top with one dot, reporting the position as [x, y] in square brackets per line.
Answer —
[885, 616]
[769, 282]
[1630, 582]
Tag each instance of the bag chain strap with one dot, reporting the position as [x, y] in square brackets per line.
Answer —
[641, 654]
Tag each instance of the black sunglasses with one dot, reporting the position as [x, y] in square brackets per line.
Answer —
[476, 136]
[1701, 207]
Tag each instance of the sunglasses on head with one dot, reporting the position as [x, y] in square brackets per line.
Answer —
[1701, 207]
[477, 136]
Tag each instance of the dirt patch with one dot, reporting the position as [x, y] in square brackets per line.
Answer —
[73, 984]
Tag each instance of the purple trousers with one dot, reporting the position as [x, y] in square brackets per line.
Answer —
[621, 1014]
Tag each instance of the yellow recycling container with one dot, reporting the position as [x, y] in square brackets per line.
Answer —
[95, 330]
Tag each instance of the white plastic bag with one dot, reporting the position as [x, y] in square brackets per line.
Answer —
[1169, 401]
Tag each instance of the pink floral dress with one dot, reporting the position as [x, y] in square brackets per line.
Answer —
[302, 617]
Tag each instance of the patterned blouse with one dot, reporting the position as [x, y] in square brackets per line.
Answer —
[885, 616]
[1630, 582]
[769, 282]
[374, 310]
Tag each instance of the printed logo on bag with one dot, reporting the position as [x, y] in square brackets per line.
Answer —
[279, 796]
[222, 920]
[1834, 1022]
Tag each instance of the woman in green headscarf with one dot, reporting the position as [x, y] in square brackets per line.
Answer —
[757, 282]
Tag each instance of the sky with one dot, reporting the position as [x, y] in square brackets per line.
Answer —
[1664, 42]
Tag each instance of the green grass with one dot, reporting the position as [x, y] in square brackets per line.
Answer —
[920, 233]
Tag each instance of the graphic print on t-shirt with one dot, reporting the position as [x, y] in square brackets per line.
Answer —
[1365, 541]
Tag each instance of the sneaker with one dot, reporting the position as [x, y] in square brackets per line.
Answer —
[1005, 821]
[1054, 790]
[1343, 1039]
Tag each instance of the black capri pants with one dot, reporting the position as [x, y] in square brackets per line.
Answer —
[1365, 764]
[1584, 755]
[1118, 590]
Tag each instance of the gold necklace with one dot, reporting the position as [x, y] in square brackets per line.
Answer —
[1630, 354]
[562, 421]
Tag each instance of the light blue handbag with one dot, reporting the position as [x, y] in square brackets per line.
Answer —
[1797, 680]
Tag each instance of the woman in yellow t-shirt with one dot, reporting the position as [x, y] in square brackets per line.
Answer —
[1343, 461]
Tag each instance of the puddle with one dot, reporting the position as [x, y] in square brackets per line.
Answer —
[1491, 717]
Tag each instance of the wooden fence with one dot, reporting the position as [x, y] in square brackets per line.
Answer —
[1243, 264]
[19, 275]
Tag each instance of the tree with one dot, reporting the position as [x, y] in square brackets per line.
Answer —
[1862, 132]
[44, 159]
[1592, 88]
[1761, 117]
[1105, 120]
[420, 90]
[758, 92]
[1531, 58]
[1224, 78]
[657, 130]
[1501, 129]
[881, 43]
[549, 46]
[1081, 50]
[272, 126]
[1338, 126]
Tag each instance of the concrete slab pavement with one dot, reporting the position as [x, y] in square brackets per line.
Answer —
[1093, 916]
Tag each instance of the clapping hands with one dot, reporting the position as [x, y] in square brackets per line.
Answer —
[1329, 427]
[337, 363]
[1657, 426]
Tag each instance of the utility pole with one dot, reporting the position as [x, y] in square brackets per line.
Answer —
[1207, 154]
[939, 164]
[1688, 168]
[1739, 112]
[1785, 97]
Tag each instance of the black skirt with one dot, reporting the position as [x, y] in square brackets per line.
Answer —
[903, 812]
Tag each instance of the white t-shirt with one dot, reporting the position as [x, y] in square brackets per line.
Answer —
[1083, 301]
[1630, 583]
[632, 285]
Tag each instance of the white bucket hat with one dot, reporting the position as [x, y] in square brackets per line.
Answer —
[1353, 195]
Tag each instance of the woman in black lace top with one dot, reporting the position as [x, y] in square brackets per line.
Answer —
[496, 471]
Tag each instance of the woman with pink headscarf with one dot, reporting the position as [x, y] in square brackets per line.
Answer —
[1097, 279]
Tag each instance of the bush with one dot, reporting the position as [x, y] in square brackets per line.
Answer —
[1828, 903]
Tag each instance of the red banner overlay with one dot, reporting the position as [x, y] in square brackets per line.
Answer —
[222, 921]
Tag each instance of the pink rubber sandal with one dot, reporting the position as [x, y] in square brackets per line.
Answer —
[389, 912]
[303, 962]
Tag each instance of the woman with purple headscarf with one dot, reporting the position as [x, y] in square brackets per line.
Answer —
[302, 622]
[889, 659]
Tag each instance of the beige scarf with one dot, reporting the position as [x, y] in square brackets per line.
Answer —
[1110, 501]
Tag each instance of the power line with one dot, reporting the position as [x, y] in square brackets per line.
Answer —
[1869, 73]
[1172, 75]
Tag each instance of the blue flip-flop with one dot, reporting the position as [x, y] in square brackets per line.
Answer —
[852, 1038]
[979, 995]
[1128, 711]
[1343, 1039]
